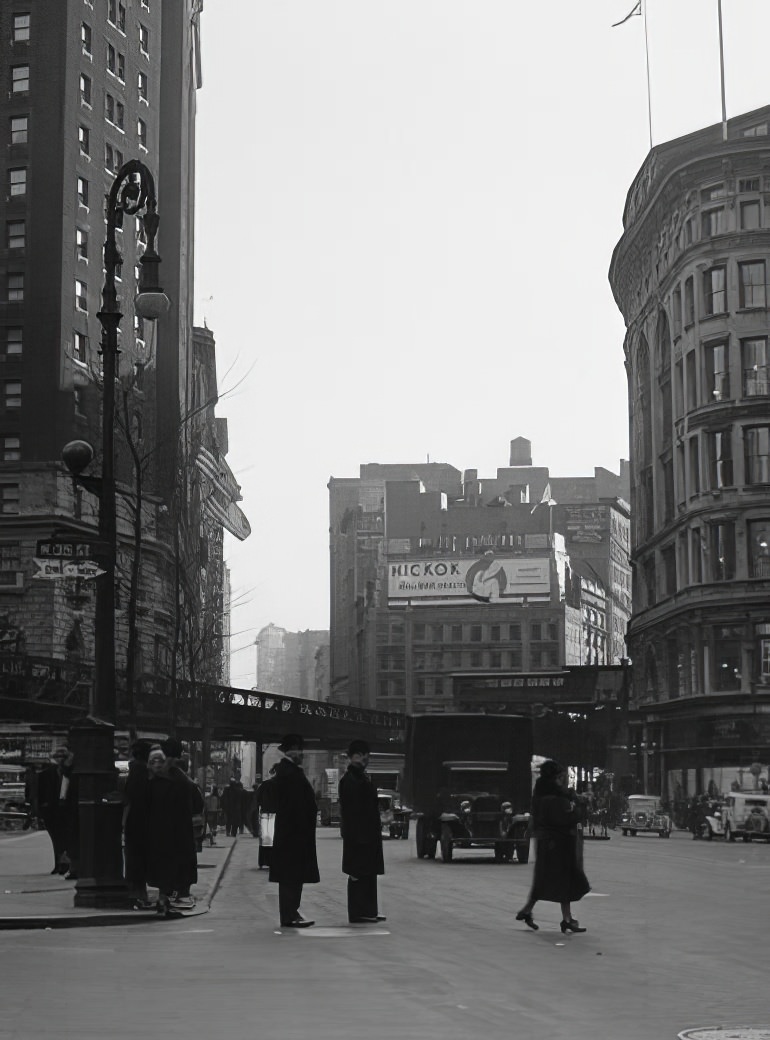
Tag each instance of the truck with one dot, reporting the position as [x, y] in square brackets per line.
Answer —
[468, 781]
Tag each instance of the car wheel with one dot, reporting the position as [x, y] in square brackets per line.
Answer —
[624, 832]
[632, 833]
[446, 850]
[746, 837]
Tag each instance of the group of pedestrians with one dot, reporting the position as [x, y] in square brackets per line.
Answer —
[292, 859]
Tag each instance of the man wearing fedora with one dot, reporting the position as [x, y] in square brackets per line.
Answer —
[293, 861]
[362, 858]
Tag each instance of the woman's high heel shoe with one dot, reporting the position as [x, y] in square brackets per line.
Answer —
[570, 926]
[526, 917]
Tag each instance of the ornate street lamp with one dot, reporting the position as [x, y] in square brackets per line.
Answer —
[100, 874]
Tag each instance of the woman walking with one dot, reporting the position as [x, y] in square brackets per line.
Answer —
[558, 875]
[172, 865]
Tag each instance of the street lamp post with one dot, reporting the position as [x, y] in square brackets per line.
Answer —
[100, 874]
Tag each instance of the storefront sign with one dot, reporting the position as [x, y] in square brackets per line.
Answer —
[485, 579]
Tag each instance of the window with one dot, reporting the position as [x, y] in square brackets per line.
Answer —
[476, 659]
[79, 346]
[679, 388]
[83, 191]
[494, 633]
[16, 234]
[142, 84]
[514, 659]
[676, 310]
[475, 633]
[144, 38]
[694, 466]
[756, 452]
[436, 633]
[15, 287]
[759, 549]
[109, 108]
[722, 551]
[17, 181]
[20, 79]
[14, 341]
[81, 295]
[727, 658]
[111, 59]
[21, 28]
[713, 222]
[697, 546]
[120, 115]
[714, 291]
[121, 67]
[760, 130]
[689, 301]
[720, 459]
[712, 192]
[749, 184]
[19, 129]
[85, 89]
[85, 38]
[11, 448]
[457, 633]
[122, 17]
[754, 361]
[692, 383]
[112, 11]
[418, 632]
[113, 158]
[141, 130]
[751, 216]
[751, 284]
[81, 244]
[717, 373]
[9, 498]
[12, 393]
[543, 630]
[84, 137]
[514, 633]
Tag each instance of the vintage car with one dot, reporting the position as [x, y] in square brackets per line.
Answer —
[482, 821]
[746, 814]
[709, 821]
[644, 813]
[394, 817]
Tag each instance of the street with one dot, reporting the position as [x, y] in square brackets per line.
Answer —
[676, 933]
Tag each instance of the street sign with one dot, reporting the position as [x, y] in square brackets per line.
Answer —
[51, 569]
[60, 549]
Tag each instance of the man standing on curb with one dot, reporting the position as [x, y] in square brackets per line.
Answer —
[293, 860]
[362, 858]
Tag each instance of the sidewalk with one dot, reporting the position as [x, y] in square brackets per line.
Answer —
[30, 897]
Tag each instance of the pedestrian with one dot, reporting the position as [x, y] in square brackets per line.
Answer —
[266, 796]
[135, 824]
[293, 861]
[252, 808]
[171, 861]
[558, 875]
[52, 793]
[177, 765]
[212, 801]
[362, 858]
[232, 806]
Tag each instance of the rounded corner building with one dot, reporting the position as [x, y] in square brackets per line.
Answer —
[689, 275]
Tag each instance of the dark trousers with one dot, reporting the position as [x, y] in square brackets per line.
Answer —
[289, 898]
[56, 825]
[362, 897]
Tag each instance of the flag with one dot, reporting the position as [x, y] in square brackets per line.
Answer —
[545, 500]
[637, 9]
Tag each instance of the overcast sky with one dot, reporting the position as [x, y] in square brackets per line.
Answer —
[405, 216]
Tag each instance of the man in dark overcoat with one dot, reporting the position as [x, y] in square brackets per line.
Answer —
[232, 806]
[293, 861]
[53, 798]
[362, 858]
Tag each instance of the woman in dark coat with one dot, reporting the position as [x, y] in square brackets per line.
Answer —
[293, 861]
[558, 875]
[172, 864]
[362, 858]
[135, 824]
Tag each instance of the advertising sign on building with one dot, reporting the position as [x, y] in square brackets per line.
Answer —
[587, 523]
[485, 579]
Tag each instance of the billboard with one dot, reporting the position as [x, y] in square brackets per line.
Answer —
[485, 579]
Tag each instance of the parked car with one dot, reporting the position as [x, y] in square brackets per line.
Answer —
[747, 814]
[645, 813]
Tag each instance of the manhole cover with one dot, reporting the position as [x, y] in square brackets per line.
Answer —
[726, 1033]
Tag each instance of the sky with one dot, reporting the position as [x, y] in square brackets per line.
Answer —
[405, 214]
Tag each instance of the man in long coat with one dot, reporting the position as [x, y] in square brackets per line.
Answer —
[293, 861]
[362, 858]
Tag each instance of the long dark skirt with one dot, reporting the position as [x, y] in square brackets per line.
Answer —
[558, 875]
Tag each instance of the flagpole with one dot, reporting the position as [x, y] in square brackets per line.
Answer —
[722, 71]
[643, 9]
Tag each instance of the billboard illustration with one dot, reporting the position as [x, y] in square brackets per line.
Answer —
[486, 579]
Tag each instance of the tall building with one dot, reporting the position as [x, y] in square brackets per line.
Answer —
[690, 277]
[86, 86]
[294, 663]
[440, 579]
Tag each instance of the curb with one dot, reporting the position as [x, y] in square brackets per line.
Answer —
[111, 918]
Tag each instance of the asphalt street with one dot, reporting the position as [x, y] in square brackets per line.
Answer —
[677, 937]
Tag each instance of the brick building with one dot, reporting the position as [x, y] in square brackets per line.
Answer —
[438, 576]
[690, 277]
[84, 87]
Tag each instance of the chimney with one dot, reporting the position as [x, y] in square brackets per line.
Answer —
[521, 452]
